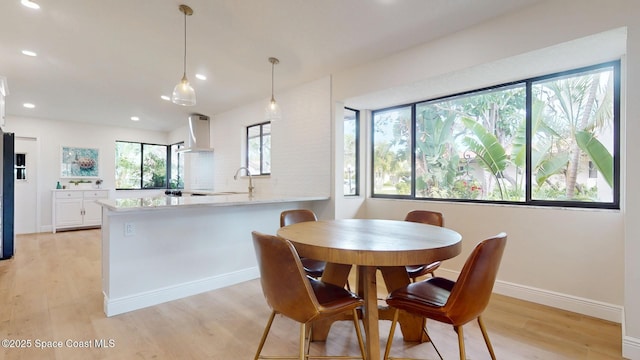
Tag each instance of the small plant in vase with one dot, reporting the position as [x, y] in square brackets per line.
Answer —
[98, 183]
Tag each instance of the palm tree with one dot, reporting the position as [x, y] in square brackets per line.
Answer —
[578, 108]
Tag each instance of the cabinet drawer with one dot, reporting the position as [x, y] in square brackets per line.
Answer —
[96, 194]
[69, 195]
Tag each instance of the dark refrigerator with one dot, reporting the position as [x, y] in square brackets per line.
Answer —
[7, 147]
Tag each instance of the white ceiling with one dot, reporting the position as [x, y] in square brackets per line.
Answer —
[105, 61]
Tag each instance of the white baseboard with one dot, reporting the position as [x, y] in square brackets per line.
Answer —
[630, 348]
[572, 303]
[145, 299]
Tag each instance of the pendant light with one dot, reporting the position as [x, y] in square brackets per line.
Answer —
[272, 111]
[183, 93]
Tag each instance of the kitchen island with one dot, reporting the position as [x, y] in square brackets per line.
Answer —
[163, 248]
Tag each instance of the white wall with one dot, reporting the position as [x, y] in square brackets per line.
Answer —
[631, 131]
[300, 143]
[582, 260]
[52, 135]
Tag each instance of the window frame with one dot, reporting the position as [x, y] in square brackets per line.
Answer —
[247, 147]
[528, 201]
[178, 146]
[356, 152]
[141, 169]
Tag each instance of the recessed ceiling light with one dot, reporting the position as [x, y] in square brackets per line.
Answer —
[135, 118]
[30, 4]
[29, 53]
[165, 97]
[201, 77]
[29, 105]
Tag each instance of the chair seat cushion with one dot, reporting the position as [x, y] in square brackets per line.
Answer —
[334, 298]
[420, 296]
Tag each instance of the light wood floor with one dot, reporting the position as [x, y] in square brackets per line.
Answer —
[51, 291]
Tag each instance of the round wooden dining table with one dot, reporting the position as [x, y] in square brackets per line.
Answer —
[371, 245]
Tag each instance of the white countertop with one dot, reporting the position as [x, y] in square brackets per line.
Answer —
[78, 188]
[178, 202]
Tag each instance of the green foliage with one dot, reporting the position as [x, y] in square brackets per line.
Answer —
[403, 187]
[176, 184]
[568, 114]
[487, 148]
[548, 166]
[599, 154]
[437, 160]
[466, 189]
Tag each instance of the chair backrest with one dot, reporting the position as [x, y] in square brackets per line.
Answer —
[289, 217]
[425, 217]
[471, 293]
[284, 283]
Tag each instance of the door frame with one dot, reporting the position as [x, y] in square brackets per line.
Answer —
[34, 179]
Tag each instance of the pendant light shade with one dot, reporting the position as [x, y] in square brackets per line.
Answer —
[273, 112]
[183, 93]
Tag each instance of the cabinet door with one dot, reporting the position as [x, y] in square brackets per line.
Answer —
[92, 210]
[92, 213]
[68, 212]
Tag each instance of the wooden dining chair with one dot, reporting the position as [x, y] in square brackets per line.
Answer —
[455, 303]
[291, 292]
[314, 268]
[425, 217]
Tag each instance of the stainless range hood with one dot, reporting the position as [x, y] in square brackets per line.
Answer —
[198, 135]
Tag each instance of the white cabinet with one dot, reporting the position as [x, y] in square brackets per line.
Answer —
[77, 208]
[92, 210]
[67, 209]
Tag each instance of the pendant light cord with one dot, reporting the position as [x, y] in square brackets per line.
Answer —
[273, 62]
[184, 64]
[272, 67]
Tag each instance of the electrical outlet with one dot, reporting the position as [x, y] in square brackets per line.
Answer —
[129, 229]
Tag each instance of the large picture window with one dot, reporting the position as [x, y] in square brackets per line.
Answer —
[148, 166]
[551, 140]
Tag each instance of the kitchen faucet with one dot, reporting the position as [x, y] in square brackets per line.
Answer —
[235, 177]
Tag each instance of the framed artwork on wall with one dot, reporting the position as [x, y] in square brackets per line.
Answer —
[78, 162]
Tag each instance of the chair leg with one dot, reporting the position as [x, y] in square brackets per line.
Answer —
[309, 332]
[486, 337]
[264, 335]
[303, 328]
[458, 329]
[387, 349]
